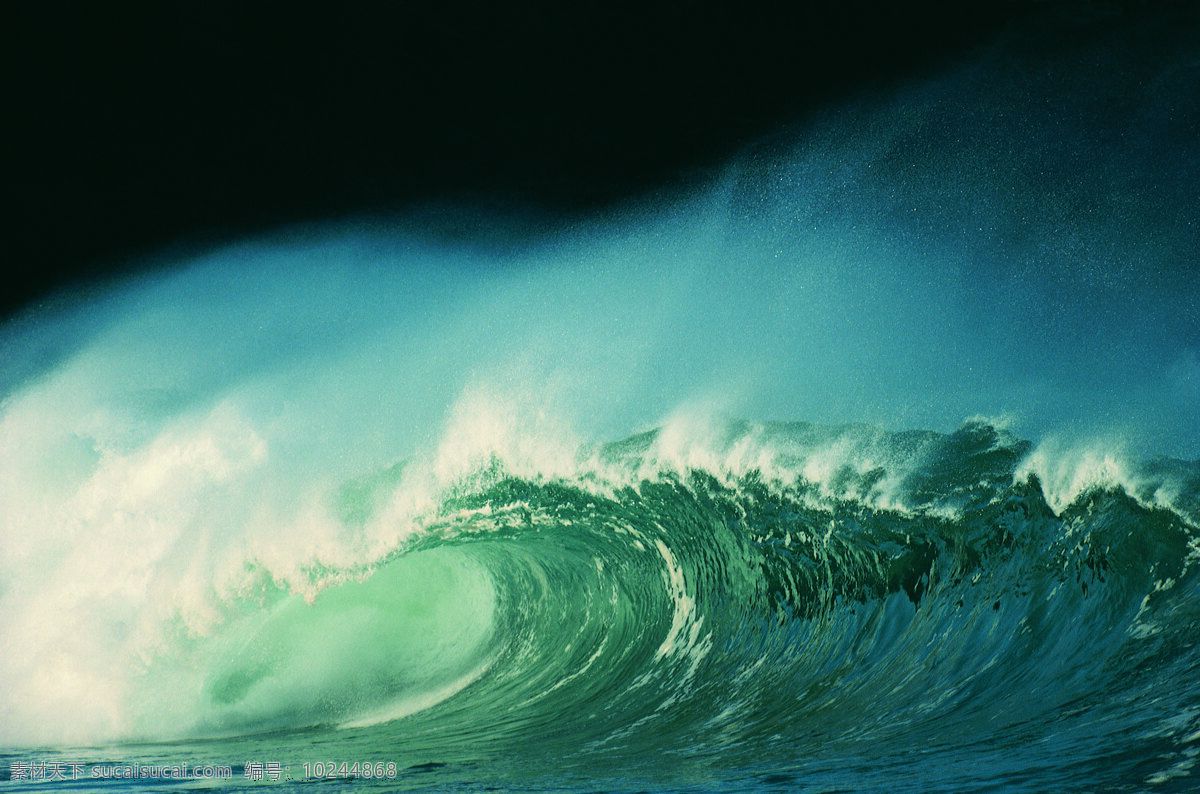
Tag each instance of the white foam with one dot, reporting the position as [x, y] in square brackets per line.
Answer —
[188, 445]
[1069, 470]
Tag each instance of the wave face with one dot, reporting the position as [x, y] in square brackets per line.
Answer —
[822, 603]
[213, 554]
[504, 508]
[714, 603]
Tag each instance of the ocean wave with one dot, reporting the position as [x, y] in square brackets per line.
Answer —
[861, 581]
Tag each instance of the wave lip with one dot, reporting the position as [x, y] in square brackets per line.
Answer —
[729, 593]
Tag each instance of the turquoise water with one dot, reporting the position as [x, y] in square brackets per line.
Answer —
[781, 606]
[868, 464]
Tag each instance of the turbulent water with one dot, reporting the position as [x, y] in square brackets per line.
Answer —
[714, 604]
[501, 507]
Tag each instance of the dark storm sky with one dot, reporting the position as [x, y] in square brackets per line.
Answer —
[136, 127]
[927, 209]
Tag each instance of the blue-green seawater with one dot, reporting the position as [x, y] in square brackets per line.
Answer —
[496, 498]
[920, 619]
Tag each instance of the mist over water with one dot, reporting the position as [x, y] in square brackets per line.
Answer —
[195, 455]
[908, 260]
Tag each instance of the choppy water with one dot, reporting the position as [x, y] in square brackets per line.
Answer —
[724, 604]
[507, 510]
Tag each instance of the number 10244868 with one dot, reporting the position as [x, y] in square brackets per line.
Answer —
[361, 769]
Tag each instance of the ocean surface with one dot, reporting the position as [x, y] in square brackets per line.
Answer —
[723, 606]
[869, 463]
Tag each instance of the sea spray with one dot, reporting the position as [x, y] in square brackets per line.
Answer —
[677, 497]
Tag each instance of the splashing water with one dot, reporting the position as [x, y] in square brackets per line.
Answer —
[492, 513]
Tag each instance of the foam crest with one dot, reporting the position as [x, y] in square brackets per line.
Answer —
[525, 437]
[699, 437]
[95, 574]
[859, 463]
[185, 439]
[1070, 470]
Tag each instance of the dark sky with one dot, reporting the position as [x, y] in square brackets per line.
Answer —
[132, 128]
